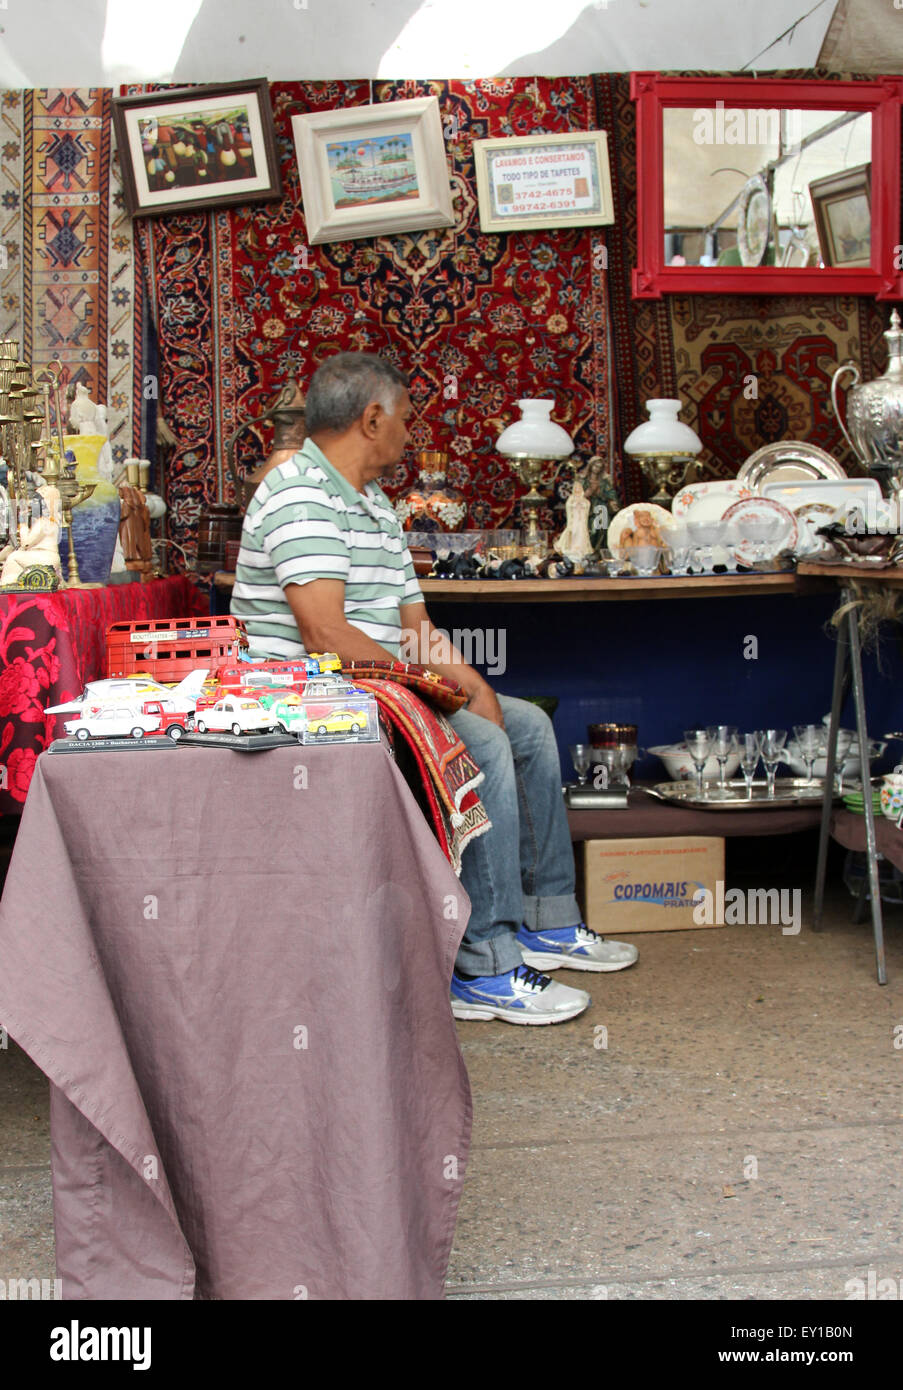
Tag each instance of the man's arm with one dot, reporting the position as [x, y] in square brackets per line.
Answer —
[435, 650]
[319, 611]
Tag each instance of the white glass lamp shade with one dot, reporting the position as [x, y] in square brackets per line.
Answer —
[662, 433]
[535, 435]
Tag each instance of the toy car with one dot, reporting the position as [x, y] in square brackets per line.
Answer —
[289, 714]
[113, 721]
[236, 715]
[339, 721]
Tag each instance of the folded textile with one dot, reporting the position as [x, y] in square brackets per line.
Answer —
[448, 774]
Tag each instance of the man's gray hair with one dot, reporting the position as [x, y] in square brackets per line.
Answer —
[341, 389]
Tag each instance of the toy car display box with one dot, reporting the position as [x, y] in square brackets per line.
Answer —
[328, 710]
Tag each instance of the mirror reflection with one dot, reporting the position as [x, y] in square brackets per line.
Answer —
[752, 187]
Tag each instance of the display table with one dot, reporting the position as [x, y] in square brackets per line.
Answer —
[646, 817]
[50, 645]
[234, 968]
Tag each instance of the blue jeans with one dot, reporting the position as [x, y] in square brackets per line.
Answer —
[522, 870]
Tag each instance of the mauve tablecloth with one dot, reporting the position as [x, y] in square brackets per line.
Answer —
[234, 969]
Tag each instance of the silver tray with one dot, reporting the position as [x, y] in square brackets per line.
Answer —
[788, 461]
[788, 791]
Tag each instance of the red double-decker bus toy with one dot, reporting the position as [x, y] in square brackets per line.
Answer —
[170, 648]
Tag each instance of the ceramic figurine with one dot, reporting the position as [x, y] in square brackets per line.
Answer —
[38, 542]
[574, 542]
[603, 498]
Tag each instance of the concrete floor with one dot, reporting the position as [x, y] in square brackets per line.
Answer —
[739, 1138]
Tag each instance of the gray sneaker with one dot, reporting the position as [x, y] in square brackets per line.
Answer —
[521, 995]
[574, 948]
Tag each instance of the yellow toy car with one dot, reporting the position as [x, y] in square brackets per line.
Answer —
[339, 721]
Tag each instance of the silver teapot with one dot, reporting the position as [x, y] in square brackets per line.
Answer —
[874, 427]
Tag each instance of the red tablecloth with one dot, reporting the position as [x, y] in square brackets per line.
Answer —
[50, 645]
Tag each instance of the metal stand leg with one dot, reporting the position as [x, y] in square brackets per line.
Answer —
[852, 622]
[828, 799]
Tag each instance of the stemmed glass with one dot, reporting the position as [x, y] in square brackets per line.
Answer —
[699, 747]
[749, 758]
[810, 741]
[771, 746]
[581, 757]
[678, 550]
[844, 747]
[723, 741]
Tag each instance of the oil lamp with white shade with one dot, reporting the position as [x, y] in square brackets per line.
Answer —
[530, 445]
[665, 449]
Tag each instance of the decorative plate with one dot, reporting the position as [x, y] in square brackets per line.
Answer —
[833, 493]
[704, 499]
[754, 221]
[630, 518]
[788, 461]
[750, 508]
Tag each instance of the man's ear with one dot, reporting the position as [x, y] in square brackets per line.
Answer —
[372, 418]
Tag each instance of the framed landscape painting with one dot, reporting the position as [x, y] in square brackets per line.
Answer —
[373, 170]
[197, 147]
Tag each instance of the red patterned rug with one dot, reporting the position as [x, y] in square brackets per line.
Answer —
[245, 304]
[448, 773]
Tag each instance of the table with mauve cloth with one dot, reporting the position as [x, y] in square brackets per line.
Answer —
[51, 645]
[234, 969]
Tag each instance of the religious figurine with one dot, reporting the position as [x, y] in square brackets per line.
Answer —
[574, 542]
[38, 542]
[83, 417]
[603, 498]
[134, 530]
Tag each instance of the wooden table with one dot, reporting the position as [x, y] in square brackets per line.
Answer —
[583, 590]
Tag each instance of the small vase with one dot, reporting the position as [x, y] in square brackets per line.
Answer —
[431, 504]
[95, 522]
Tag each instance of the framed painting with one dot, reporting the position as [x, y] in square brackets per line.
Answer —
[371, 171]
[528, 182]
[197, 147]
[842, 204]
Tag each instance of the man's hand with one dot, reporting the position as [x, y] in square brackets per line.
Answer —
[484, 701]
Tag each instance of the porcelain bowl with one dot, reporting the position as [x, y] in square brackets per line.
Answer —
[681, 768]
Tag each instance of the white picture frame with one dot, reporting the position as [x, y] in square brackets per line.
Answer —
[522, 186]
[369, 171]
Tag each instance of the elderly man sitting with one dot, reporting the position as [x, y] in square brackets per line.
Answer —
[323, 566]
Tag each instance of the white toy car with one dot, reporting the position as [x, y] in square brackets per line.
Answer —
[113, 721]
[236, 715]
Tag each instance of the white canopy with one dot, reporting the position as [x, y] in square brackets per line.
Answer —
[46, 43]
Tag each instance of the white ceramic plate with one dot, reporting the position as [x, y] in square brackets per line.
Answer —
[626, 519]
[707, 501]
[788, 461]
[831, 492]
[749, 507]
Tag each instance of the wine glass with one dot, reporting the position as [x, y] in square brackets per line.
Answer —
[749, 758]
[581, 757]
[678, 551]
[699, 747]
[612, 562]
[771, 746]
[644, 559]
[842, 757]
[723, 740]
[809, 741]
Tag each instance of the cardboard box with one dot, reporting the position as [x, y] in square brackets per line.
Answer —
[629, 886]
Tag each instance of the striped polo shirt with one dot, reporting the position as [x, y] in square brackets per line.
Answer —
[305, 522]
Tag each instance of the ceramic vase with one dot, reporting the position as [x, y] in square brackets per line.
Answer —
[95, 522]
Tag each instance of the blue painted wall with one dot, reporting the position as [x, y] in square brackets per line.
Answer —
[666, 665]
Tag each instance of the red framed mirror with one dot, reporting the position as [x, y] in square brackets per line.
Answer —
[767, 186]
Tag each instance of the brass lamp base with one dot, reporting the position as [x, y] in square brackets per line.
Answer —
[668, 471]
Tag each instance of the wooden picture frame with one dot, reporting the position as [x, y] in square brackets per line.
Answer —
[193, 148]
[522, 186]
[842, 205]
[369, 171]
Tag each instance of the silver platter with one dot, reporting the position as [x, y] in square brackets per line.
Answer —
[788, 461]
[788, 791]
